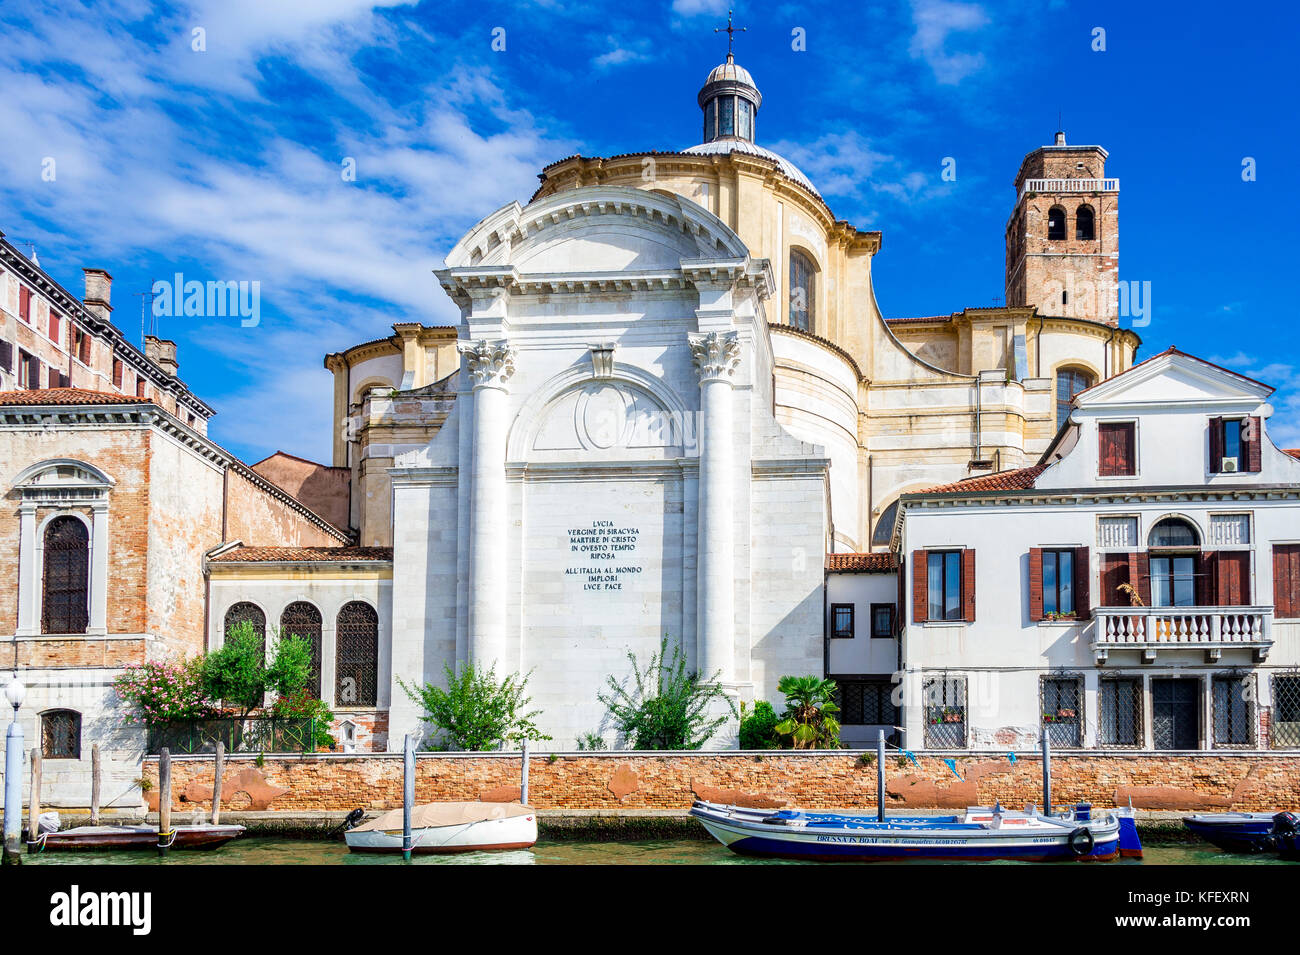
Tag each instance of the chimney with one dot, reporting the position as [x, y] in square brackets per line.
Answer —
[162, 353]
[99, 287]
[1060, 138]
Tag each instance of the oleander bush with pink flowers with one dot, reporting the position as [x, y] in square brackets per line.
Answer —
[162, 692]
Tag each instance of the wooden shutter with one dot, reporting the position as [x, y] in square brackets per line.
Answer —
[1115, 570]
[1035, 583]
[1232, 583]
[33, 372]
[1286, 580]
[25, 303]
[1140, 575]
[54, 326]
[900, 617]
[1116, 451]
[1207, 577]
[920, 587]
[54, 377]
[968, 585]
[6, 356]
[1216, 445]
[85, 348]
[1082, 583]
[117, 373]
[1254, 449]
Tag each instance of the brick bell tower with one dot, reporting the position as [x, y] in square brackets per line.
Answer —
[1063, 234]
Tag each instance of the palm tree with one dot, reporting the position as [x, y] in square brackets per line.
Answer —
[809, 703]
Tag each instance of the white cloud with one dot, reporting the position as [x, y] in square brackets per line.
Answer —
[936, 21]
[695, 8]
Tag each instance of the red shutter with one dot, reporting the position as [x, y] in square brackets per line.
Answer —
[1082, 583]
[1114, 571]
[25, 303]
[1281, 581]
[1255, 447]
[900, 616]
[1216, 445]
[85, 348]
[1035, 583]
[920, 588]
[968, 585]
[1233, 578]
[1116, 448]
[1141, 576]
[1207, 579]
[54, 326]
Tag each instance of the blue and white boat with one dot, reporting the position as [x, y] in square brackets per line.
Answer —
[1246, 832]
[980, 834]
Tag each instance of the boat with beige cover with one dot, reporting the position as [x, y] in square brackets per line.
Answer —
[449, 827]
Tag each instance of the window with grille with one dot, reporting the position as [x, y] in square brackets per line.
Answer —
[245, 612]
[1119, 705]
[865, 702]
[65, 604]
[842, 621]
[945, 712]
[1062, 709]
[302, 619]
[803, 290]
[882, 620]
[61, 734]
[357, 655]
[1234, 711]
[1285, 727]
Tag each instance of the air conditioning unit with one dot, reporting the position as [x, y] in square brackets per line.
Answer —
[1230, 466]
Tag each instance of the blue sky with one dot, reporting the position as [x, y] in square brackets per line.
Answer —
[225, 163]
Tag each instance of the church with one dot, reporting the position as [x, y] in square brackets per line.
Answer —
[673, 407]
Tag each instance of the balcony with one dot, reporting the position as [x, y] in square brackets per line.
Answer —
[1211, 629]
[1067, 186]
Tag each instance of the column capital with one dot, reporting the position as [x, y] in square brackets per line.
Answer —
[490, 363]
[716, 355]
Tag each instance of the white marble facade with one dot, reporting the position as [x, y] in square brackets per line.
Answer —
[612, 471]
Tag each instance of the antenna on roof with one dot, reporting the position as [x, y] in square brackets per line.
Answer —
[31, 251]
[142, 296]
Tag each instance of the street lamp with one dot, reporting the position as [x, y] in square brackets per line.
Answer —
[15, 692]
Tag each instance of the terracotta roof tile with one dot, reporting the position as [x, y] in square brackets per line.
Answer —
[880, 563]
[919, 319]
[67, 396]
[1020, 480]
[304, 554]
[1294, 452]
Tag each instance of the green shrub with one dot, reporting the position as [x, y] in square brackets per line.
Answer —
[303, 706]
[809, 705]
[666, 706]
[758, 727]
[237, 672]
[477, 711]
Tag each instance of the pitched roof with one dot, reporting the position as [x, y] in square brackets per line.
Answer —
[1018, 480]
[879, 563]
[1294, 452]
[305, 554]
[67, 396]
[1174, 350]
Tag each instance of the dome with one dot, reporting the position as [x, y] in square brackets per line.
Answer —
[732, 71]
[724, 146]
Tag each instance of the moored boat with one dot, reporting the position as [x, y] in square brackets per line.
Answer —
[449, 827]
[980, 834]
[1244, 832]
[133, 837]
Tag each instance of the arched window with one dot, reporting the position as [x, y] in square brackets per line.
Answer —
[65, 605]
[61, 734]
[803, 291]
[1083, 223]
[302, 619]
[1069, 382]
[245, 612]
[356, 668]
[1173, 532]
[884, 532]
[1056, 223]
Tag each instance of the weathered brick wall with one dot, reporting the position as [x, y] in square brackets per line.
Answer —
[260, 519]
[323, 489]
[615, 781]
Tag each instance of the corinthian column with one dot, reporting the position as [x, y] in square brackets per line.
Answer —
[716, 356]
[490, 365]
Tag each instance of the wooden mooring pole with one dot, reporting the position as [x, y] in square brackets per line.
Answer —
[164, 800]
[219, 766]
[880, 775]
[1047, 775]
[34, 802]
[408, 794]
[523, 781]
[94, 784]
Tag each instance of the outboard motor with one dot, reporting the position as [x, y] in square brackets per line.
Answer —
[350, 821]
[1286, 835]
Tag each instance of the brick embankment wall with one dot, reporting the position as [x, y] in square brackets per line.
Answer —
[623, 781]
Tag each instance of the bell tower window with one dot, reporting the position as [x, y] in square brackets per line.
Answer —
[1083, 224]
[1056, 224]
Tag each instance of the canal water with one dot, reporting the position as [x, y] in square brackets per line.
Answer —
[266, 851]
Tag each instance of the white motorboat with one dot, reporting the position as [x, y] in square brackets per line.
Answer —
[449, 827]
